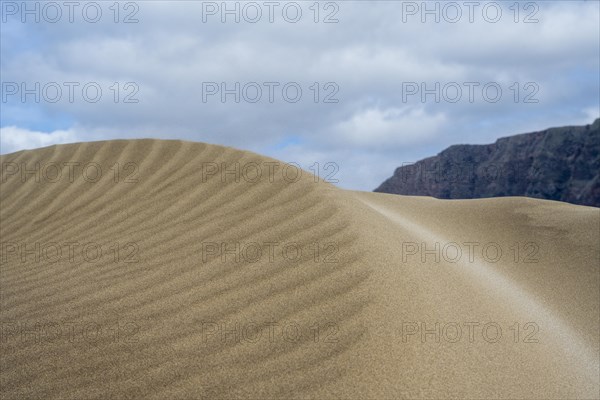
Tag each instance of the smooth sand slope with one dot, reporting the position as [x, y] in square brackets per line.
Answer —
[167, 312]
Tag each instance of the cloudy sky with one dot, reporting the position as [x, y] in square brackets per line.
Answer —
[368, 85]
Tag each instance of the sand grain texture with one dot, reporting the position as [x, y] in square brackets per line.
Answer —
[175, 325]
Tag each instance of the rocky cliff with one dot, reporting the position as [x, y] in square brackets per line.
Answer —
[556, 164]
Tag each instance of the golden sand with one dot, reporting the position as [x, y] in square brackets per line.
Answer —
[218, 283]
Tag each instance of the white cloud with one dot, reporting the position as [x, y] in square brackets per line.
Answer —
[389, 128]
[590, 114]
[13, 139]
[368, 54]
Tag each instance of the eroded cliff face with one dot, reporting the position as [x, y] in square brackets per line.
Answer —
[555, 164]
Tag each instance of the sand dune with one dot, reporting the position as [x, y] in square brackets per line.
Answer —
[179, 272]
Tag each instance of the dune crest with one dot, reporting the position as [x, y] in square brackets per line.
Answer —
[170, 269]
